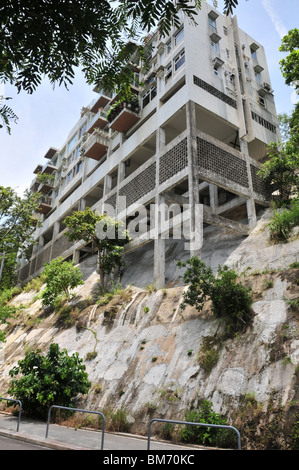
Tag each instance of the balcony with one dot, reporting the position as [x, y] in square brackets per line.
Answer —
[124, 115]
[50, 153]
[101, 101]
[45, 184]
[38, 169]
[48, 168]
[96, 145]
[45, 205]
[99, 121]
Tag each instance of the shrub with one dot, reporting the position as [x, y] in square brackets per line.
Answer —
[230, 300]
[41, 381]
[283, 222]
[203, 435]
[59, 276]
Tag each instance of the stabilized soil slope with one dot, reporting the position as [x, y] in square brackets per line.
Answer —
[146, 356]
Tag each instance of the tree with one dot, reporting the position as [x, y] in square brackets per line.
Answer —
[108, 236]
[60, 276]
[280, 171]
[290, 64]
[231, 301]
[42, 381]
[50, 38]
[16, 228]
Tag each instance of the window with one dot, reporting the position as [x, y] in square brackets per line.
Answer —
[253, 53]
[258, 77]
[212, 22]
[179, 61]
[168, 47]
[262, 101]
[179, 37]
[215, 46]
[168, 73]
[227, 53]
[82, 130]
[79, 166]
[69, 177]
[149, 95]
[72, 143]
[225, 30]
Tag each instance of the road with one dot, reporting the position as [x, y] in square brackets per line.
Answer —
[7, 443]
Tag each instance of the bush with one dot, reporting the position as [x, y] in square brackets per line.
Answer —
[230, 300]
[42, 381]
[203, 435]
[59, 276]
[283, 222]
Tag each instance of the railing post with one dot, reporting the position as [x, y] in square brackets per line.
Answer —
[192, 424]
[20, 410]
[83, 411]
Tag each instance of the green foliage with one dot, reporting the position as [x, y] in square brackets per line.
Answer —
[59, 276]
[16, 229]
[109, 238]
[41, 381]
[7, 115]
[289, 64]
[203, 435]
[283, 221]
[53, 38]
[6, 310]
[280, 171]
[230, 300]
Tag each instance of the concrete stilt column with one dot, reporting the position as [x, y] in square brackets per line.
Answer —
[76, 256]
[196, 223]
[159, 242]
[251, 212]
[213, 190]
[159, 245]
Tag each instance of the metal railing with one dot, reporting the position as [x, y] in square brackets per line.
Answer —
[20, 410]
[192, 424]
[83, 411]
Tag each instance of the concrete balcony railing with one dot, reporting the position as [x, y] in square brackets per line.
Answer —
[45, 205]
[99, 121]
[124, 116]
[96, 145]
[100, 102]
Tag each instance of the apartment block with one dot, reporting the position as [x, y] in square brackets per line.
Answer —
[193, 137]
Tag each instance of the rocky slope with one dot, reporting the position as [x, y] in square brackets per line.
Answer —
[146, 356]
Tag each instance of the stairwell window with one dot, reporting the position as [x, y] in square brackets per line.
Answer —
[215, 46]
[258, 77]
[179, 60]
[179, 36]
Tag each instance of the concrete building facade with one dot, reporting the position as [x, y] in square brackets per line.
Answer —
[194, 138]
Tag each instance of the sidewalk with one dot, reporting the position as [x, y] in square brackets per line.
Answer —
[65, 438]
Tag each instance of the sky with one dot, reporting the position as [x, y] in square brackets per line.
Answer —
[47, 116]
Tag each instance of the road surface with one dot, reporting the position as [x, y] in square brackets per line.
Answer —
[7, 443]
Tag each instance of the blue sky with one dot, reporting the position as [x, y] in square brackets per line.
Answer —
[46, 116]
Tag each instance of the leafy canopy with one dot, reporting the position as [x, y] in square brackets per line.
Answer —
[108, 236]
[16, 228]
[60, 276]
[53, 39]
[290, 64]
[231, 301]
[41, 381]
